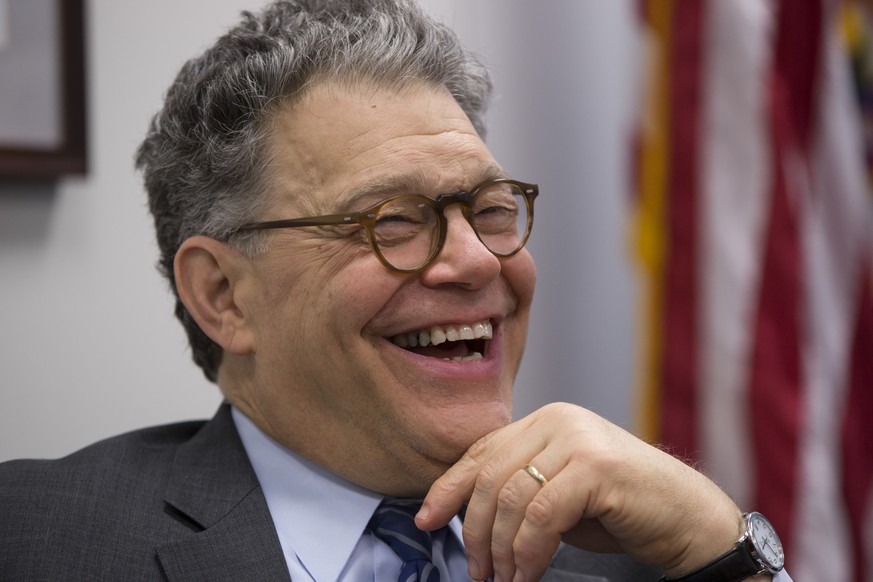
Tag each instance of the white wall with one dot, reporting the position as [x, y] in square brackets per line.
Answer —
[89, 346]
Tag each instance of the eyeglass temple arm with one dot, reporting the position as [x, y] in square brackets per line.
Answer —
[311, 221]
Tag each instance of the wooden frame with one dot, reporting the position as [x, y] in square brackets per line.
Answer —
[68, 155]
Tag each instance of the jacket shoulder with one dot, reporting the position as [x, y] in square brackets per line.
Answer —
[132, 455]
[103, 498]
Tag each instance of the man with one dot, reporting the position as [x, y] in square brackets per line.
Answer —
[350, 268]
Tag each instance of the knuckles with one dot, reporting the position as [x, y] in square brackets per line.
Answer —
[540, 512]
[513, 496]
[502, 553]
[488, 481]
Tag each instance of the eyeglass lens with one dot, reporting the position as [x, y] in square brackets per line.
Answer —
[406, 229]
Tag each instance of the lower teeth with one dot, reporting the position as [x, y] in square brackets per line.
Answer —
[472, 356]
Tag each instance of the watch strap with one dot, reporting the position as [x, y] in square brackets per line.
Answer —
[735, 565]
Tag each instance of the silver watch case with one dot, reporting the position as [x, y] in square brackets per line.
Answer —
[763, 542]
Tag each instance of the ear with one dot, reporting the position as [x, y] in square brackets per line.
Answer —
[207, 274]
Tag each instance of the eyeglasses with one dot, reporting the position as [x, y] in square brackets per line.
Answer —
[407, 232]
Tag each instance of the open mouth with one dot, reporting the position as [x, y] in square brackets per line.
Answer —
[458, 342]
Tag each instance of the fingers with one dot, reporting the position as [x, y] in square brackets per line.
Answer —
[478, 469]
[514, 522]
[479, 478]
[448, 494]
[528, 522]
[514, 502]
[496, 508]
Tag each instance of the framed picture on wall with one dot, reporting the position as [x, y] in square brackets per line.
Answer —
[42, 89]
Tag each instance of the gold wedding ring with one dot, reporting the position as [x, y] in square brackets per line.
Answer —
[535, 473]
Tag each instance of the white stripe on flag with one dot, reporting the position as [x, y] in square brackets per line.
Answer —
[735, 197]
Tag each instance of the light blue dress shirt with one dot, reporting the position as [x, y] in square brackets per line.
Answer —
[324, 546]
[297, 491]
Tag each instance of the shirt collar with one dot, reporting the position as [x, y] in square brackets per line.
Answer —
[297, 491]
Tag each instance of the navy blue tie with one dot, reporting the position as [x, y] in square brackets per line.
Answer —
[394, 523]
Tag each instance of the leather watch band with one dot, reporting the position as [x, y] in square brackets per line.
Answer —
[733, 566]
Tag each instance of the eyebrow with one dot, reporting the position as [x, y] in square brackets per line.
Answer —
[412, 182]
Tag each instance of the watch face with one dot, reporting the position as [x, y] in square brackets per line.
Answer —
[766, 541]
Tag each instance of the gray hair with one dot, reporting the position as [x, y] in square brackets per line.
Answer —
[204, 159]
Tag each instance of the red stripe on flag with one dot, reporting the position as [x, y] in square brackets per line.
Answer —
[857, 434]
[679, 399]
[775, 389]
[775, 371]
[798, 48]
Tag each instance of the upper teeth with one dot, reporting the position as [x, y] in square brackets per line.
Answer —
[438, 334]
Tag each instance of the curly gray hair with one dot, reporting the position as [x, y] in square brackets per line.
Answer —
[204, 159]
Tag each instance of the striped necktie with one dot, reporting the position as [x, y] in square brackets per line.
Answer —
[394, 523]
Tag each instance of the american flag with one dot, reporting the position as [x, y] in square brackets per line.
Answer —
[753, 224]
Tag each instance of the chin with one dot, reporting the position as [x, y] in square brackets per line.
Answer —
[463, 427]
[427, 458]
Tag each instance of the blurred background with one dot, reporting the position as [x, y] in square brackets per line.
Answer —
[703, 240]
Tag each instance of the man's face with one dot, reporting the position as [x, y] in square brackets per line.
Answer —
[327, 377]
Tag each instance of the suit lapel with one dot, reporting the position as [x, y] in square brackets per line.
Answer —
[215, 491]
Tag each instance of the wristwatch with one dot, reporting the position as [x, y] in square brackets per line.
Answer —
[756, 552]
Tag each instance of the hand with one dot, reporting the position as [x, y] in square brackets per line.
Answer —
[607, 491]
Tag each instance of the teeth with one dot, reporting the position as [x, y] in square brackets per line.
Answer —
[472, 356]
[439, 334]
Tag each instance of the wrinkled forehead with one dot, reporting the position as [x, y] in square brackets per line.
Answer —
[343, 145]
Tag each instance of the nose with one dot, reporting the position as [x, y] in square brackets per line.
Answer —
[463, 261]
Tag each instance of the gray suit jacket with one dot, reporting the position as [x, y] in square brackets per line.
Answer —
[177, 503]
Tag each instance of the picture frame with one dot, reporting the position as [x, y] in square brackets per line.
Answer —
[42, 65]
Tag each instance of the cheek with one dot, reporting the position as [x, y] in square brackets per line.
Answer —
[521, 273]
[332, 302]
[358, 292]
